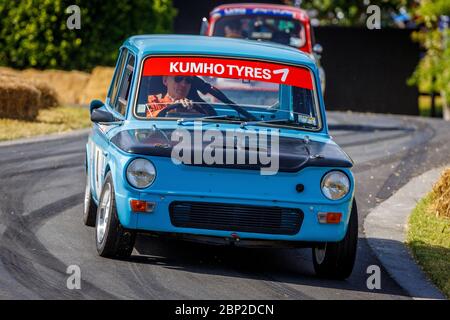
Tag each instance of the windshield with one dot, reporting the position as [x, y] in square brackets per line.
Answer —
[221, 89]
[284, 30]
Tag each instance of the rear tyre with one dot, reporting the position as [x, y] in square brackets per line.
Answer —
[90, 208]
[335, 260]
[111, 238]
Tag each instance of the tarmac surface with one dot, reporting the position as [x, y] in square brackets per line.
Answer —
[41, 229]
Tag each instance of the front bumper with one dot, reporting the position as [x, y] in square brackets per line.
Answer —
[160, 219]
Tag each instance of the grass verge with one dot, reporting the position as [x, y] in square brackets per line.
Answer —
[429, 240]
[58, 119]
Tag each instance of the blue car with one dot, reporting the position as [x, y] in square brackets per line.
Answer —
[222, 141]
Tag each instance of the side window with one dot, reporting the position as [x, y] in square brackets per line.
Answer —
[125, 86]
[117, 76]
[303, 101]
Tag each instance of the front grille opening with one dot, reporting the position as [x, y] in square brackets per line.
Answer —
[236, 217]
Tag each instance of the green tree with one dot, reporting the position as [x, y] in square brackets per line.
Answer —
[351, 12]
[433, 71]
[33, 33]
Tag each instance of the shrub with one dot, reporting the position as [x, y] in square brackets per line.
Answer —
[33, 33]
[433, 71]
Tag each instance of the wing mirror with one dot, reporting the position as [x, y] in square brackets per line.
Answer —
[103, 117]
[318, 49]
[204, 27]
[95, 104]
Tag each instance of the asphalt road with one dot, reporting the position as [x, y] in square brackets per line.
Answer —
[41, 229]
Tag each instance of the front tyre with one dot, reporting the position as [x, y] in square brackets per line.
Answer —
[335, 260]
[90, 208]
[111, 238]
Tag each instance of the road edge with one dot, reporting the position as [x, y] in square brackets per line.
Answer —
[44, 138]
[385, 229]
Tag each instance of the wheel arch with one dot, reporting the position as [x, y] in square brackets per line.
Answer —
[113, 166]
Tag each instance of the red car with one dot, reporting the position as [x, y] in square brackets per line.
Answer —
[265, 22]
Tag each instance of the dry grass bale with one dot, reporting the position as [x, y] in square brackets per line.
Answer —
[18, 100]
[441, 195]
[9, 71]
[98, 85]
[67, 84]
[48, 98]
[9, 77]
[55, 86]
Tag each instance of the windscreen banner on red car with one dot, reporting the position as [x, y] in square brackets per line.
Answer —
[229, 68]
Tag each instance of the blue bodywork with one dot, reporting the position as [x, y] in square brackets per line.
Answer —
[217, 184]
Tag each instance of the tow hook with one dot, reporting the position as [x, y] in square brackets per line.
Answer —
[234, 237]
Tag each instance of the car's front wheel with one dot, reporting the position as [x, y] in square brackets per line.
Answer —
[90, 208]
[112, 239]
[335, 260]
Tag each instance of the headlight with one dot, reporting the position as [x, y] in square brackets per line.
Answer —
[335, 185]
[141, 173]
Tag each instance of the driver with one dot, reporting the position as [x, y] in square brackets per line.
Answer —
[178, 88]
[233, 29]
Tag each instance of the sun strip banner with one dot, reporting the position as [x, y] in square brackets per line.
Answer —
[229, 68]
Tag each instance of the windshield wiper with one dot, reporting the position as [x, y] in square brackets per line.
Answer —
[278, 121]
[226, 117]
[206, 88]
[222, 117]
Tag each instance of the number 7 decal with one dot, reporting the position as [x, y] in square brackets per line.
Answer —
[284, 71]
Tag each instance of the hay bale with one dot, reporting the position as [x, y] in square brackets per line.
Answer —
[441, 195]
[97, 86]
[54, 87]
[49, 96]
[19, 90]
[9, 71]
[18, 100]
[67, 84]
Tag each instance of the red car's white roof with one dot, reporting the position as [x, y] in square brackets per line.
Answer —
[299, 13]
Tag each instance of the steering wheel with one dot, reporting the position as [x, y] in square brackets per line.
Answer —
[166, 110]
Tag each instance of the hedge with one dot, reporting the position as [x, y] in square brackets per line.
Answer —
[34, 33]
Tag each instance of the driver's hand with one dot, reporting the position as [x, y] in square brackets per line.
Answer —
[188, 104]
